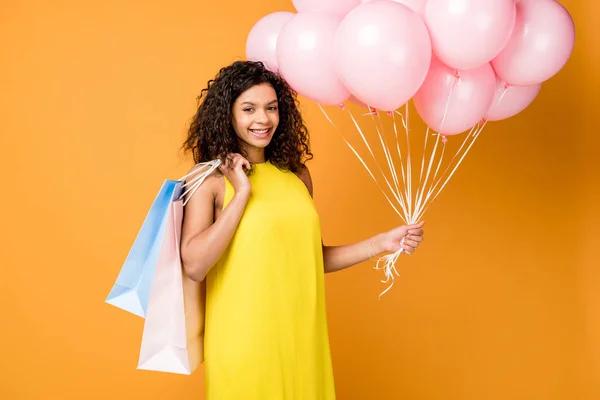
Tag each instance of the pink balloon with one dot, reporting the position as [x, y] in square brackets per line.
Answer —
[339, 7]
[540, 45]
[463, 96]
[417, 6]
[261, 44]
[382, 53]
[468, 33]
[305, 57]
[511, 100]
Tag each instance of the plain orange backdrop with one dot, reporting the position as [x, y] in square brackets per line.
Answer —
[501, 302]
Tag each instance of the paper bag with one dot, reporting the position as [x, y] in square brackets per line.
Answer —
[173, 337]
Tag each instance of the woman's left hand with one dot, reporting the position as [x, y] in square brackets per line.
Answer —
[392, 241]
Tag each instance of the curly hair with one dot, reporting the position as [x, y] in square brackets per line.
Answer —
[211, 135]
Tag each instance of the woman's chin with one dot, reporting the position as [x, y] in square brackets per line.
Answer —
[260, 142]
[257, 144]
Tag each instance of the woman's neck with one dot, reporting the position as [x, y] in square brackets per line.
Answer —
[255, 155]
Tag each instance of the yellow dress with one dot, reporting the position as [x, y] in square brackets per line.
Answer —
[266, 332]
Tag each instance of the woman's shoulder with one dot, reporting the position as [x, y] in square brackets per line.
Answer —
[304, 174]
[213, 180]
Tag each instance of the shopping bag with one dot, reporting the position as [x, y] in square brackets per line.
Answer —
[173, 336]
[131, 291]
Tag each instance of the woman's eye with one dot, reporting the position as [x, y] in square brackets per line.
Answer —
[247, 109]
[273, 108]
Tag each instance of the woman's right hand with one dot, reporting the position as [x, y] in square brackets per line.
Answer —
[233, 169]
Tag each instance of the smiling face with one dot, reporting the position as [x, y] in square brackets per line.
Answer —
[255, 118]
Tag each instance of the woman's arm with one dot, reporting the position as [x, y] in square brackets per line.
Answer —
[336, 258]
[203, 240]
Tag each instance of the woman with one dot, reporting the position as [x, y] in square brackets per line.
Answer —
[253, 232]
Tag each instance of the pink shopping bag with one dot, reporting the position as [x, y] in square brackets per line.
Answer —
[173, 337]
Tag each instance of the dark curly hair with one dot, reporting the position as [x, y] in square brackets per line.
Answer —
[211, 135]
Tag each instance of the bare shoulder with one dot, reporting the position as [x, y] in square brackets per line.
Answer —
[201, 204]
[304, 175]
[210, 184]
[209, 191]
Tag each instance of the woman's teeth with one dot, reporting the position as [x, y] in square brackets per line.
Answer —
[259, 132]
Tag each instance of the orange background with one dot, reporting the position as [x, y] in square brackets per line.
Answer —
[501, 302]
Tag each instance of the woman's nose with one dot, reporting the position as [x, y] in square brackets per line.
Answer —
[261, 116]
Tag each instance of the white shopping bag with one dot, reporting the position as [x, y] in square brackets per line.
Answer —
[173, 337]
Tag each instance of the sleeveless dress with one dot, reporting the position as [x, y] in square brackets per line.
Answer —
[266, 332]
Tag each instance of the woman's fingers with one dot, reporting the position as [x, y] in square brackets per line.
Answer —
[415, 238]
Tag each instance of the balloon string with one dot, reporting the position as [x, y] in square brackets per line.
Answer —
[503, 93]
[475, 136]
[389, 268]
[447, 107]
[398, 199]
[420, 193]
[439, 162]
[431, 183]
[388, 156]
[388, 261]
[435, 185]
[409, 168]
[423, 157]
[405, 176]
[434, 152]
[363, 163]
[406, 195]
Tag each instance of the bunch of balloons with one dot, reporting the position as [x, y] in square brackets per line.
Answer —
[461, 61]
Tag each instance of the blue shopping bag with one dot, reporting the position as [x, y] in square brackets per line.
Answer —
[131, 291]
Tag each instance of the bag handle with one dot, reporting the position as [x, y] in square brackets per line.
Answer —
[203, 172]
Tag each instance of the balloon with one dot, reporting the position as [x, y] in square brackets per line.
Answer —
[262, 40]
[468, 33]
[382, 53]
[540, 45]
[417, 6]
[339, 7]
[467, 96]
[511, 100]
[305, 57]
